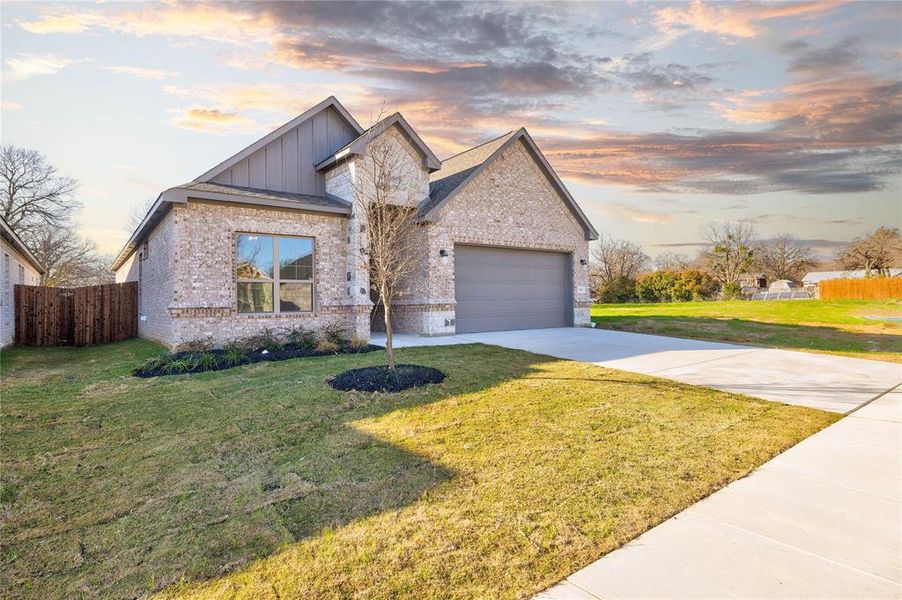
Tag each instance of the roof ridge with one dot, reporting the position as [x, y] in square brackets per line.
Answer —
[494, 139]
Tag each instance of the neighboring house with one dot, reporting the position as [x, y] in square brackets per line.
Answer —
[20, 267]
[752, 283]
[504, 244]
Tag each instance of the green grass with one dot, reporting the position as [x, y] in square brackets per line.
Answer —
[835, 327]
[262, 481]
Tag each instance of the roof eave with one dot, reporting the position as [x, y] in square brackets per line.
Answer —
[181, 195]
[20, 247]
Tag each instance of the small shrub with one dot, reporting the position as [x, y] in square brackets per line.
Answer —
[358, 343]
[300, 337]
[265, 340]
[621, 289]
[233, 354]
[157, 362]
[326, 347]
[204, 361]
[731, 291]
[198, 345]
[335, 333]
[176, 366]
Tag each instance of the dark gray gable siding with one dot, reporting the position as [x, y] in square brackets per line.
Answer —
[287, 163]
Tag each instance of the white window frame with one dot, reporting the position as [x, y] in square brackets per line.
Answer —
[276, 279]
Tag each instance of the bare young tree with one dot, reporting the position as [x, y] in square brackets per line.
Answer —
[783, 257]
[33, 192]
[877, 252]
[730, 253]
[386, 205]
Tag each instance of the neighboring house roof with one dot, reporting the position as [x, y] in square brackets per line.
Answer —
[817, 276]
[226, 193]
[460, 169]
[13, 239]
[358, 145]
[331, 101]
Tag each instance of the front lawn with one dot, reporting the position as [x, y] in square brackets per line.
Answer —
[847, 327]
[263, 481]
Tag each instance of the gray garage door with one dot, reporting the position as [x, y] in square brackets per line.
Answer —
[500, 288]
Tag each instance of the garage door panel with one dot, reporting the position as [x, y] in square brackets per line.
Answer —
[501, 288]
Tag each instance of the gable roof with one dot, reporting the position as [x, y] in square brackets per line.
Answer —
[226, 193]
[330, 102]
[466, 166]
[358, 145]
[13, 239]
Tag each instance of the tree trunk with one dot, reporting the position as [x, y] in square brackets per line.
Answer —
[389, 350]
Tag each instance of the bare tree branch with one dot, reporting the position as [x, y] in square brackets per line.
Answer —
[783, 257]
[730, 253]
[32, 191]
[877, 252]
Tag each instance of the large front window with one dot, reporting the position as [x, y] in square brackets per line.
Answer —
[275, 274]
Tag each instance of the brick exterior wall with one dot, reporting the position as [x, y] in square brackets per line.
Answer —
[153, 267]
[187, 269]
[510, 204]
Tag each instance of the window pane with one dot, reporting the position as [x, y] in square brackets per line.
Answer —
[254, 257]
[254, 297]
[295, 258]
[295, 297]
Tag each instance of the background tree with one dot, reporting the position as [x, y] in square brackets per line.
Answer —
[615, 266]
[730, 253]
[672, 261]
[137, 213]
[877, 252]
[37, 203]
[386, 203]
[70, 260]
[783, 257]
[33, 192]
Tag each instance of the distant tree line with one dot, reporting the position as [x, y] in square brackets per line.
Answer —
[38, 204]
[622, 272]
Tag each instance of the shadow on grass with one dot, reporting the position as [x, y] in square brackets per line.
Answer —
[776, 335]
[117, 486]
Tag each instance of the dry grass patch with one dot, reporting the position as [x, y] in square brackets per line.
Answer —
[262, 481]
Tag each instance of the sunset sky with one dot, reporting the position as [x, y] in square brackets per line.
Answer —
[659, 117]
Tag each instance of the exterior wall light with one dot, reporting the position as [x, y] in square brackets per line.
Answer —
[583, 262]
[443, 253]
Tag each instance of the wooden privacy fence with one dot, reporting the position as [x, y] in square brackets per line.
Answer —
[872, 288]
[83, 316]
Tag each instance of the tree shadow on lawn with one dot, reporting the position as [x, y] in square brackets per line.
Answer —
[116, 486]
[743, 331]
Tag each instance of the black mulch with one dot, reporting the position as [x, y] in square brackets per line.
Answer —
[381, 379]
[252, 356]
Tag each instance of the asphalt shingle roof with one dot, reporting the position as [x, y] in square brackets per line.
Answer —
[219, 188]
[458, 167]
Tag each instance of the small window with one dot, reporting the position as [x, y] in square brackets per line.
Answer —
[275, 274]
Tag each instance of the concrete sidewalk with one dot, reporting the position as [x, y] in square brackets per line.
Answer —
[828, 382]
[822, 520]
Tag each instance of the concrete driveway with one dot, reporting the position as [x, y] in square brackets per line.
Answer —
[833, 383]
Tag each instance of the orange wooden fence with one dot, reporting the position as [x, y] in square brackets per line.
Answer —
[872, 288]
[84, 316]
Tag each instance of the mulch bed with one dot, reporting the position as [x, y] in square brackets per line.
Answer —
[381, 379]
[252, 356]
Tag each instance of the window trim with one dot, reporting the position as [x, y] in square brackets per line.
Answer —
[276, 279]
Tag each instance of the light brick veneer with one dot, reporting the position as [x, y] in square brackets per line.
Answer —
[510, 204]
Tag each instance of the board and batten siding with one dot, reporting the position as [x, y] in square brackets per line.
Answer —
[287, 163]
